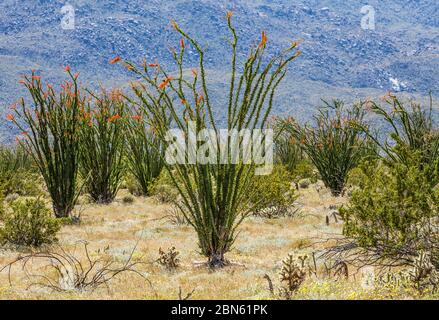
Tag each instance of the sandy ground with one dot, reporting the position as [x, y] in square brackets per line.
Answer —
[262, 244]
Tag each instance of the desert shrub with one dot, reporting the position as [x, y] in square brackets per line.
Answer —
[50, 134]
[22, 183]
[305, 170]
[392, 215]
[335, 144]
[304, 183]
[273, 195]
[422, 277]
[163, 189]
[102, 144]
[132, 185]
[29, 223]
[2, 207]
[216, 203]
[144, 154]
[128, 199]
[14, 159]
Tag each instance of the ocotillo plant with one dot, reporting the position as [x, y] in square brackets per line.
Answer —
[335, 144]
[102, 145]
[144, 152]
[411, 131]
[50, 134]
[17, 171]
[215, 195]
[13, 159]
[287, 149]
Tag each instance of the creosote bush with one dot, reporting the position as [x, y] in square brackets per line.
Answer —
[335, 143]
[163, 188]
[274, 194]
[393, 214]
[28, 223]
[213, 194]
[102, 145]
[49, 132]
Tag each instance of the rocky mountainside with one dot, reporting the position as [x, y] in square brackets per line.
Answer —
[340, 58]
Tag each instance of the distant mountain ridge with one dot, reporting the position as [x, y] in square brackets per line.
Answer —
[339, 59]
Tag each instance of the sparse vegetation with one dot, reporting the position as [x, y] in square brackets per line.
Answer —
[67, 272]
[79, 150]
[128, 199]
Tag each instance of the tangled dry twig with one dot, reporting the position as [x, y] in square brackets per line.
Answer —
[66, 272]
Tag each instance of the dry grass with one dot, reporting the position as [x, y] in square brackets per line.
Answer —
[259, 250]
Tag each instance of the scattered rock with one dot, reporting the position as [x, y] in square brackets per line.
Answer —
[304, 183]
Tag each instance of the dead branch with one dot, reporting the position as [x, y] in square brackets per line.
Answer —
[66, 272]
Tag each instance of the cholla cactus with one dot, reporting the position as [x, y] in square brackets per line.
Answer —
[292, 274]
[169, 259]
[424, 274]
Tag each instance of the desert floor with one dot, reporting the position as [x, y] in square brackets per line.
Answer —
[262, 244]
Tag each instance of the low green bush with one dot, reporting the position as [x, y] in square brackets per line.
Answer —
[133, 186]
[28, 222]
[393, 212]
[163, 188]
[273, 195]
[305, 170]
